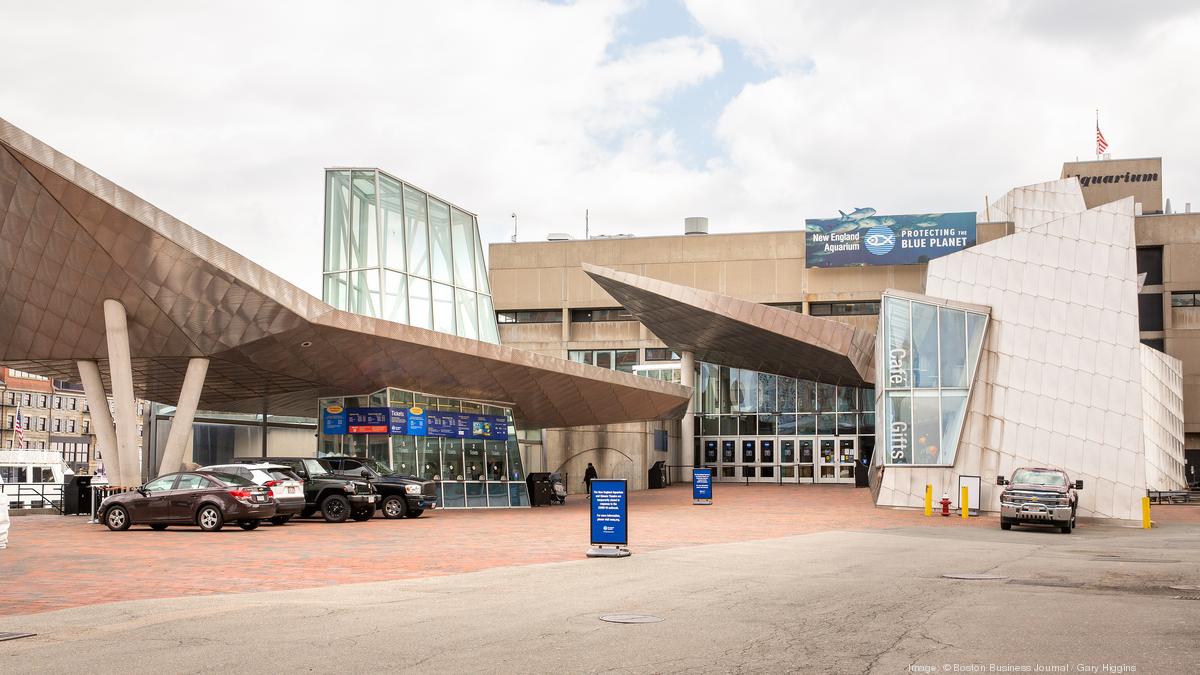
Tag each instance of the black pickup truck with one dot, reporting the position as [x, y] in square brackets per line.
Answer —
[400, 496]
[336, 497]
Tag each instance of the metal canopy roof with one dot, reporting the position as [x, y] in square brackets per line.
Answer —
[743, 334]
[69, 239]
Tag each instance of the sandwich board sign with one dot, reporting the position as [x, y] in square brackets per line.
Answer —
[702, 486]
[609, 518]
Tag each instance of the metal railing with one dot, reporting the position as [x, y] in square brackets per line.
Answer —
[34, 495]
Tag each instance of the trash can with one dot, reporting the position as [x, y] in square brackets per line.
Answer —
[658, 475]
[539, 489]
[862, 472]
[77, 496]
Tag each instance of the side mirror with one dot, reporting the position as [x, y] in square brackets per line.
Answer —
[366, 474]
[1078, 485]
[141, 490]
[1001, 481]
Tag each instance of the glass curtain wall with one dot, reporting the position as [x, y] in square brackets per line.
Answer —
[767, 427]
[395, 252]
[930, 352]
[470, 473]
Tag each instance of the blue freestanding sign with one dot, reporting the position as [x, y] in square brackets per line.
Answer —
[609, 516]
[702, 486]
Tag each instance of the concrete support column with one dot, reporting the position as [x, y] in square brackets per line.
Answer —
[102, 422]
[185, 413]
[120, 371]
[687, 431]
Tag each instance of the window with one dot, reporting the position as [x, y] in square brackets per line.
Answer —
[43, 401]
[612, 359]
[58, 403]
[41, 423]
[530, 316]
[57, 426]
[797, 307]
[868, 307]
[160, 484]
[661, 354]
[87, 426]
[1149, 262]
[70, 426]
[190, 481]
[73, 403]
[1150, 311]
[1185, 299]
[10, 398]
[28, 399]
[590, 315]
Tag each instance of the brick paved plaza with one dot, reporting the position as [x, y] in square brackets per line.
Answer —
[56, 562]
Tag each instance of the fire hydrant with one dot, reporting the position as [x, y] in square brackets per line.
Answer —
[945, 505]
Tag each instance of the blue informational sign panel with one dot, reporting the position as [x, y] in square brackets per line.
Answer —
[414, 421]
[861, 238]
[333, 420]
[702, 486]
[610, 512]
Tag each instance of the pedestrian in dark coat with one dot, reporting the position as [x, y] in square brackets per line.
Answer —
[588, 476]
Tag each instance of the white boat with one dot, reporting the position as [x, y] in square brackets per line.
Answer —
[33, 478]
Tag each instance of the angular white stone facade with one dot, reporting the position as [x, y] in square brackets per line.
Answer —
[1063, 380]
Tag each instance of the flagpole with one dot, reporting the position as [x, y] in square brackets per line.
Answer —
[1097, 133]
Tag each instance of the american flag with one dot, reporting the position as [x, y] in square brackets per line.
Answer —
[19, 428]
[1101, 144]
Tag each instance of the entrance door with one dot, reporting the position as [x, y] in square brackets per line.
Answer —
[827, 460]
[768, 471]
[805, 452]
[847, 456]
[787, 460]
[749, 459]
[728, 460]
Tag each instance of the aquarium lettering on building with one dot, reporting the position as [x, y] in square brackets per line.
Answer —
[862, 238]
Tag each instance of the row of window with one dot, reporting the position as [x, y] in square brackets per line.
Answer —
[29, 445]
[858, 308]
[613, 359]
[43, 401]
[30, 423]
[725, 390]
[822, 424]
[1185, 299]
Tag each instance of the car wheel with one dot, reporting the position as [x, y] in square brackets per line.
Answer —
[117, 518]
[249, 524]
[1005, 525]
[335, 509]
[415, 513]
[158, 526]
[394, 507]
[363, 515]
[1066, 529]
[280, 520]
[210, 518]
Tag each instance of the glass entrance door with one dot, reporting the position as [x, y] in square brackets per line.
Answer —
[749, 459]
[728, 468]
[787, 460]
[827, 460]
[805, 452]
[768, 471]
[847, 456]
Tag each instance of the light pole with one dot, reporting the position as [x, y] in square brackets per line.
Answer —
[514, 237]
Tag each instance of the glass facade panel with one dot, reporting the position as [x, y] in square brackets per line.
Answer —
[954, 409]
[468, 314]
[925, 345]
[767, 391]
[337, 220]
[487, 320]
[337, 289]
[364, 293]
[787, 394]
[827, 424]
[746, 390]
[826, 397]
[898, 331]
[439, 241]
[443, 308]
[724, 389]
[420, 303]
[395, 297]
[847, 399]
[391, 216]
[806, 396]
[481, 268]
[708, 388]
[926, 428]
[462, 226]
[898, 416]
[416, 231]
[806, 425]
[952, 347]
[364, 227]
[767, 425]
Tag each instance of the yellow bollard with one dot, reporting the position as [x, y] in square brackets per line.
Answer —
[1146, 513]
[928, 499]
[963, 504]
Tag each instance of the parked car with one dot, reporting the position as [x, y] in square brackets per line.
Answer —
[1039, 496]
[400, 496]
[336, 497]
[205, 498]
[285, 485]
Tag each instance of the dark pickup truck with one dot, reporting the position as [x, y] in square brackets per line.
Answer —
[336, 497]
[1039, 496]
[400, 496]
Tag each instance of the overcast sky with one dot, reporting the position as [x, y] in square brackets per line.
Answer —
[755, 114]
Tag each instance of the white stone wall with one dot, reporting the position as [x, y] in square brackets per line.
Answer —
[1060, 380]
[1162, 420]
[1032, 205]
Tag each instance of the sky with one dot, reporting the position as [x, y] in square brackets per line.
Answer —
[754, 114]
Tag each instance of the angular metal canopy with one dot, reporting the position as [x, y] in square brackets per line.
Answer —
[743, 334]
[69, 239]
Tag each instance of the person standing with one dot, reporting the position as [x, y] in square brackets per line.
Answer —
[588, 475]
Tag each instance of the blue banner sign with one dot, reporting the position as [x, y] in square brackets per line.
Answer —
[862, 238]
[610, 512]
[702, 486]
[414, 421]
[333, 420]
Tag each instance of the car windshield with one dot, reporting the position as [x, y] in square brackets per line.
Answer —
[1047, 478]
[315, 468]
[378, 467]
[230, 479]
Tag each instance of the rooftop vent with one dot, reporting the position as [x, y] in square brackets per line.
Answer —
[695, 225]
[559, 236]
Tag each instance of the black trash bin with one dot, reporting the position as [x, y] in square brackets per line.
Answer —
[658, 475]
[861, 473]
[539, 489]
[77, 496]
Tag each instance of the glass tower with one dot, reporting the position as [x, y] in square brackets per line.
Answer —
[398, 253]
